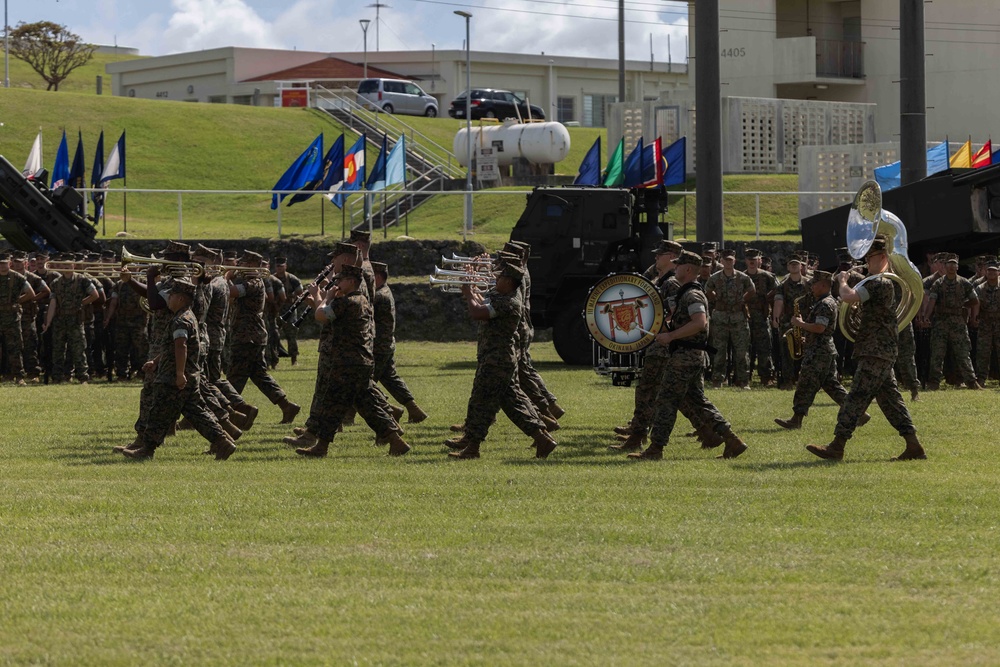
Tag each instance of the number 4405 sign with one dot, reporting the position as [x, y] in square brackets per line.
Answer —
[740, 52]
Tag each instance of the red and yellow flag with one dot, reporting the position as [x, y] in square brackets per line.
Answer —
[984, 157]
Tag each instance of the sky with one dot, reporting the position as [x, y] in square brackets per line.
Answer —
[555, 27]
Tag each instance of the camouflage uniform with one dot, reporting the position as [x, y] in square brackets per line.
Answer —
[875, 350]
[104, 336]
[681, 380]
[906, 362]
[528, 378]
[788, 292]
[764, 284]
[730, 325]
[216, 324]
[12, 286]
[159, 322]
[293, 286]
[275, 297]
[249, 338]
[819, 359]
[89, 332]
[384, 347]
[29, 328]
[131, 335]
[949, 330]
[989, 329]
[69, 343]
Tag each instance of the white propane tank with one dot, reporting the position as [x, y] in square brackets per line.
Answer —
[539, 143]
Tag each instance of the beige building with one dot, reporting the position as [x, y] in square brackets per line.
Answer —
[570, 89]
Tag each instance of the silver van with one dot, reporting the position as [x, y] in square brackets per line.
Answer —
[396, 96]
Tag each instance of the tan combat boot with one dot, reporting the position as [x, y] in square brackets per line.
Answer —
[709, 438]
[231, 430]
[414, 414]
[304, 440]
[651, 453]
[632, 443]
[734, 446]
[791, 424]
[543, 443]
[288, 411]
[556, 411]
[833, 451]
[914, 451]
[250, 412]
[397, 446]
[550, 423]
[396, 412]
[223, 448]
[318, 450]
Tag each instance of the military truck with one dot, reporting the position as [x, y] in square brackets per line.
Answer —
[579, 235]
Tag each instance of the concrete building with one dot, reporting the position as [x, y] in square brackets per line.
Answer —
[570, 89]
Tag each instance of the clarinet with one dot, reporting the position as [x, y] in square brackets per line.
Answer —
[290, 311]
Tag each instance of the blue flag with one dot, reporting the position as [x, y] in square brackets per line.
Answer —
[376, 177]
[115, 166]
[354, 172]
[95, 179]
[633, 167]
[77, 173]
[890, 175]
[306, 168]
[676, 158]
[60, 170]
[395, 164]
[332, 172]
[590, 168]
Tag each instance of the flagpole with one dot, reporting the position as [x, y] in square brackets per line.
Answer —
[125, 201]
[322, 217]
[343, 219]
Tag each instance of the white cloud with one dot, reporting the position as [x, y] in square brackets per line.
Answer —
[206, 24]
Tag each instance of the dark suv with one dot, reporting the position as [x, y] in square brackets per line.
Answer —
[489, 103]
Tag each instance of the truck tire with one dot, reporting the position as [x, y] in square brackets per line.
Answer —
[569, 332]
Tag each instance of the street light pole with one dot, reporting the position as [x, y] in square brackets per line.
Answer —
[364, 28]
[6, 48]
[468, 126]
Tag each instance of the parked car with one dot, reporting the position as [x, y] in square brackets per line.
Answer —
[396, 96]
[491, 103]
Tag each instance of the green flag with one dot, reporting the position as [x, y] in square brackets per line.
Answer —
[615, 173]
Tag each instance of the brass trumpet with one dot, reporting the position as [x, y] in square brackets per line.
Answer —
[172, 268]
[453, 285]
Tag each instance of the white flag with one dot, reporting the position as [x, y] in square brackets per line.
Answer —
[34, 163]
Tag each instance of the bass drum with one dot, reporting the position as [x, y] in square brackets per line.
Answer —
[624, 312]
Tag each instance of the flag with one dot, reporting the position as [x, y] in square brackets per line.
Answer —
[34, 163]
[331, 172]
[652, 165]
[984, 156]
[305, 169]
[376, 177]
[590, 168]
[95, 179]
[633, 167]
[60, 170]
[615, 173]
[889, 176]
[676, 158]
[962, 159]
[395, 164]
[937, 158]
[115, 166]
[354, 171]
[77, 173]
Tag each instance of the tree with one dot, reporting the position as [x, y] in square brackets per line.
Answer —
[51, 50]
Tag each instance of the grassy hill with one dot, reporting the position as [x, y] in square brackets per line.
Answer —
[175, 146]
[81, 80]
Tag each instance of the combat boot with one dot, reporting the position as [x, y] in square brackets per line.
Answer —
[457, 428]
[138, 454]
[651, 453]
[556, 411]
[833, 451]
[471, 451]
[223, 448]
[172, 430]
[231, 430]
[973, 385]
[303, 440]
[631, 443]
[933, 386]
[121, 448]
[543, 443]
[460, 442]
[317, 451]
[734, 446]
[299, 430]
[915, 393]
[709, 438]
[791, 424]
[414, 414]
[349, 418]
[288, 411]
[396, 412]
[397, 446]
[251, 414]
[185, 425]
[295, 360]
[624, 430]
[913, 451]
[550, 423]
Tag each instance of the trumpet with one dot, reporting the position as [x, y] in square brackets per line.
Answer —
[171, 268]
[478, 263]
[245, 271]
[453, 281]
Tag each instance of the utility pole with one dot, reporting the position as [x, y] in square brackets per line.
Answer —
[708, 102]
[912, 93]
[378, 5]
[621, 50]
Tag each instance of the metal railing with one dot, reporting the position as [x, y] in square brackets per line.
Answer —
[839, 59]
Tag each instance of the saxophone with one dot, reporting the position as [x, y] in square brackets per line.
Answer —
[793, 337]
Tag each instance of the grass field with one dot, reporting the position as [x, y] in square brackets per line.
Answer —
[775, 558]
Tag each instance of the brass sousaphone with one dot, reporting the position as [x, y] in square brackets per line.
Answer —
[867, 220]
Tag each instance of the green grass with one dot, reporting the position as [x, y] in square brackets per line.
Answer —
[776, 558]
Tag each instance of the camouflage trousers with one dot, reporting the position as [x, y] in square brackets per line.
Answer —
[69, 349]
[213, 371]
[167, 403]
[273, 339]
[292, 336]
[531, 382]
[248, 364]
[29, 347]
[760, 344]
[873, 379]
[10, 339]
[645, 394]
[906, 361]
[818, 371]
[131, 347]
[335, 397]
[988, 346]
[368, 401]
[681, 383]
[104, 346]
[730, 329]
[386, 375]
[494, 388]
[950, 334]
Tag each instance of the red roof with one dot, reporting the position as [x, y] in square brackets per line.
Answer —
[328, 69]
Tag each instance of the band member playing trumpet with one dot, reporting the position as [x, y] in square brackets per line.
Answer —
[875, 350]
[819, 355]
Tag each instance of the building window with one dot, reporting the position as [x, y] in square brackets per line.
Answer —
[243, 99]
[216, 99]
[566, 109]
[594, 108]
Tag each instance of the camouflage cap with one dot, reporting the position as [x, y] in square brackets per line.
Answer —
[176, 248]
[380, 268]
[182, 286]
[821, 276]
[751, 253]
[794, 258]
[844, 256]
[728, 252]
[952, 259]
[504, 258]
[93, 257]
[63, 257]
[341, 248]
[41, 254]
[707, 260]
[230, 254]
[4, 256]
[688, 257]
[514, 249]
[108, 254]
[361, 235]
[667, 245]
[709, 246]
[992, 265]
[512, 271]
[350, 271]
[280, 260]
[940, 257]
[19, 256]
[251, 258]
[526, 247]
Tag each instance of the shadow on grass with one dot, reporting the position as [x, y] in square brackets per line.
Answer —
[792, 465]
